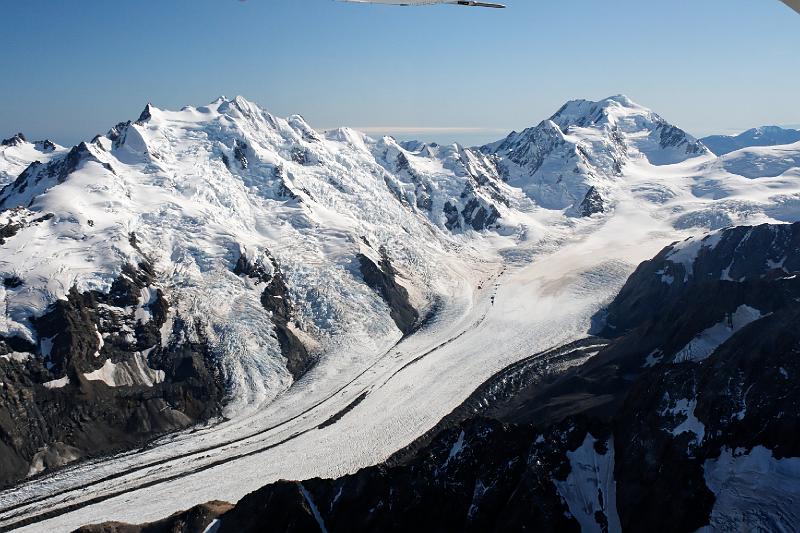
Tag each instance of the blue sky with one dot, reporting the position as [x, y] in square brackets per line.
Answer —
[72, 68]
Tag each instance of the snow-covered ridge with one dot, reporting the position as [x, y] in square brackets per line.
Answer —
[194, 188]
[762, 136]
[16, 153]
[737, 253]
[188, 191]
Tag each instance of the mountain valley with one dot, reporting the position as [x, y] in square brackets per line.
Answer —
[589, 314]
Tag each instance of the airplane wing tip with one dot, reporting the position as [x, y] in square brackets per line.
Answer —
[472, 3]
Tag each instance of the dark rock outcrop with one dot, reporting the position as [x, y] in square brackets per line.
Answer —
[301, 156]
[382, 278]
[146, 114]
[275, 299]
[12, 282]
[529, 148]
[673, 137]
[711, 277]
[479, 216]
[475, 207]
[592, 204]
[46, 146]
[470, 479]
[20, 218]
[240, 153]
[452, 221]
[117, 134]
[16, 140]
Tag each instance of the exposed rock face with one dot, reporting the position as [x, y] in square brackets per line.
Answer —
[46, 146]
[116, 134]
[13, 220]
[382, 278]
[146, 114]
[624, 440]
[592, 204]
[451, 216]
[530, 148]
[711, 276]
[240, 153]
[100, 380]
[479, 217]
[471, 479]
[105, 370]
[674, 137]
[17, 153]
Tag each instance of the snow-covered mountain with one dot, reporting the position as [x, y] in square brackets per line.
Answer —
[220, 264]
[16, 153]
[583, 149]
[763, 136]
[218, 199]
[761, 161]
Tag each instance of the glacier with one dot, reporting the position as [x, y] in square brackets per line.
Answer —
[490, 243]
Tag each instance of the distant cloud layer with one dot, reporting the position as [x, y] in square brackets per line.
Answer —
[428, 130]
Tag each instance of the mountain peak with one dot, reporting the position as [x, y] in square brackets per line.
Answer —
[16, 140]
[764, 130]
[239, 106]
[46, 146]
[623, 100]
[146, 114]
[585, 113]
[581, 151]
[762, 136]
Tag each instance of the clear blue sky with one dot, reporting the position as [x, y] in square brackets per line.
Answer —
[73, 68]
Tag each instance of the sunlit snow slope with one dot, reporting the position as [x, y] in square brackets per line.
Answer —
[505, 251]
